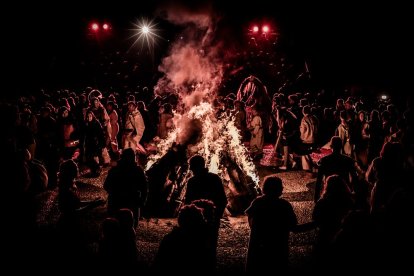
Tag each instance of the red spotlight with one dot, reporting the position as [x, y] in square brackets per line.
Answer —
[95, 26]
[105, 27]
[265, 29]
[255, 29]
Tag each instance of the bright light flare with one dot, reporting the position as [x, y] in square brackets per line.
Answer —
[265, 29]
[145, 30]
[95, 27]
[145, 33]
[255, 29]
[105, 27]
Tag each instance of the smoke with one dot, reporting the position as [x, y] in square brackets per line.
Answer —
[192, 131]
[193, 69]
[201, 16]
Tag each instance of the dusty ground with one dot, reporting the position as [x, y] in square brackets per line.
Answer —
[233, 239]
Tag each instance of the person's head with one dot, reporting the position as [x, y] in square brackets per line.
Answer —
[293, 99]
[374, 116]
[306, 110]
[191, 217]
[128, 156]
[336, 143]
[303, 102]
[349, 104]
[45, 112]
[336, 186]
[131, 98]
[131, 106]
[197, 164]
[68, 171]
[64, 111]
[126, 218]
[361, 115]
[208, 207]
[141, 106]
[272, 186]
[95, 102]
[110, 105]
[90, 116]
[112, 98]
[339, 103]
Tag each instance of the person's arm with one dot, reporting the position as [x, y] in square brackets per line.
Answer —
[85, 205]
[250, 211]
[304, 227]
[189, 192]
[318, 184]
[144, 188]
[370, 175]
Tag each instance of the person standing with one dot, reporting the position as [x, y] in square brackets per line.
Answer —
[134, 127]
[256, 131]
[271, 219]
[207, 185]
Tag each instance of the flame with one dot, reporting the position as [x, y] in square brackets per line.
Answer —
[219, 137]
[193, 71]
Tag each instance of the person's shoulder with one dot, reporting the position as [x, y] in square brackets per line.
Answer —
[348, 159]
[324, 160]
[260, 201]
[213, 175]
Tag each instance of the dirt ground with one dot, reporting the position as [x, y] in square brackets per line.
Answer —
[234, 233]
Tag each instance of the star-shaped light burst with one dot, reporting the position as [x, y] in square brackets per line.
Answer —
[145, 33]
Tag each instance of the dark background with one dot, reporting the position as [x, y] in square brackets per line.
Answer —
[344, 43]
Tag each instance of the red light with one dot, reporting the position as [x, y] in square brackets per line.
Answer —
[105, 27]
[255, 29]
[265, 29]
[95, 26]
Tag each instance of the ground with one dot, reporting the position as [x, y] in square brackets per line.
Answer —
[234, 233]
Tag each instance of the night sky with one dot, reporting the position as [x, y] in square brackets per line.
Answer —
[344, 43]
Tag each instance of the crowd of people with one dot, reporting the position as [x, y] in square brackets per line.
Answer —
[362, 193]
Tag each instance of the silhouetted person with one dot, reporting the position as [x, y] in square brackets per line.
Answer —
[211, 231]
[69, 198]
[184, 250]
[353, 246]
[387, 174]
[110, 244]
[335, 163]
[271, 219]
[126, 185]
[329, 211]
[73, 244]
[205, 185]
[129, 251]
[94, 142]
[398, 239]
